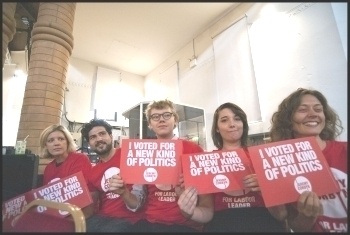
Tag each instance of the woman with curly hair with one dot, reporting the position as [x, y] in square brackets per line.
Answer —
[307, 113]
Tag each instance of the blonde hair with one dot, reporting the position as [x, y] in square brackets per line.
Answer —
[71, 147]
[161, 104]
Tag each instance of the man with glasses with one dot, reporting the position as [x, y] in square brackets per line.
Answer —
[188, 211]
[117, 204]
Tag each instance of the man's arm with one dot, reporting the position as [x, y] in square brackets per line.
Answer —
[133, 199]
[199, 208]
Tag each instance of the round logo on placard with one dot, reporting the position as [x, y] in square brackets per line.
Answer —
[302, 184]
[150, 174]
[221, 181]
[107, 175]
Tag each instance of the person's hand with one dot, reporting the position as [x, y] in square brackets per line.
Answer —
[116, 184]
[309, 204]
[279, 212]
[180, 187]
[188, 201]
[251, 182]
[181, 181]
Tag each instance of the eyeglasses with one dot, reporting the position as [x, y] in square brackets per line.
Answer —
[166, 116]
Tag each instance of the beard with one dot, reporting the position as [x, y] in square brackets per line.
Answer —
[105, 150]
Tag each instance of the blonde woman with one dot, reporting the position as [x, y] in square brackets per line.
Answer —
[57, 143]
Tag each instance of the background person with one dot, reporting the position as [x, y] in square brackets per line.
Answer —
[229, 132]
[188, 211]
[307, 113]
[116, 203]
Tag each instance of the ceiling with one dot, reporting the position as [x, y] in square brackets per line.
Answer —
[133, 37]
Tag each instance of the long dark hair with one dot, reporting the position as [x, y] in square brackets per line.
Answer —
[217, 138]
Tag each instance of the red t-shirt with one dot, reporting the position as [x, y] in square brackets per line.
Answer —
[239, 198]
[335, 205]
[161, 206]
[111, 204]
[74, 163]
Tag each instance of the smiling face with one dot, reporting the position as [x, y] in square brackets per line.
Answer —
[100, 141]
[230, 126]
[309, 118]
[56, 144]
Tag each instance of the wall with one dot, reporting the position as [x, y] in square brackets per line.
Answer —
[307, 51]
[93, 87]
[198, 90]
[14, 78]
[313, 55]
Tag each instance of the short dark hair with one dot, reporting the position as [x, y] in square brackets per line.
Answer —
[93, 123]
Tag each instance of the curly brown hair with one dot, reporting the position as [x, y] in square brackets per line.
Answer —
[282, 126]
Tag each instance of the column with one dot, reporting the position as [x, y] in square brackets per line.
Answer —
[52, 45]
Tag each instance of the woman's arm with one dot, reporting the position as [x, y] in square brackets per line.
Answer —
[302, 216]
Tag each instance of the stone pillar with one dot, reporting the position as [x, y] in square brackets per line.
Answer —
[52, 45]
[8, 26]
